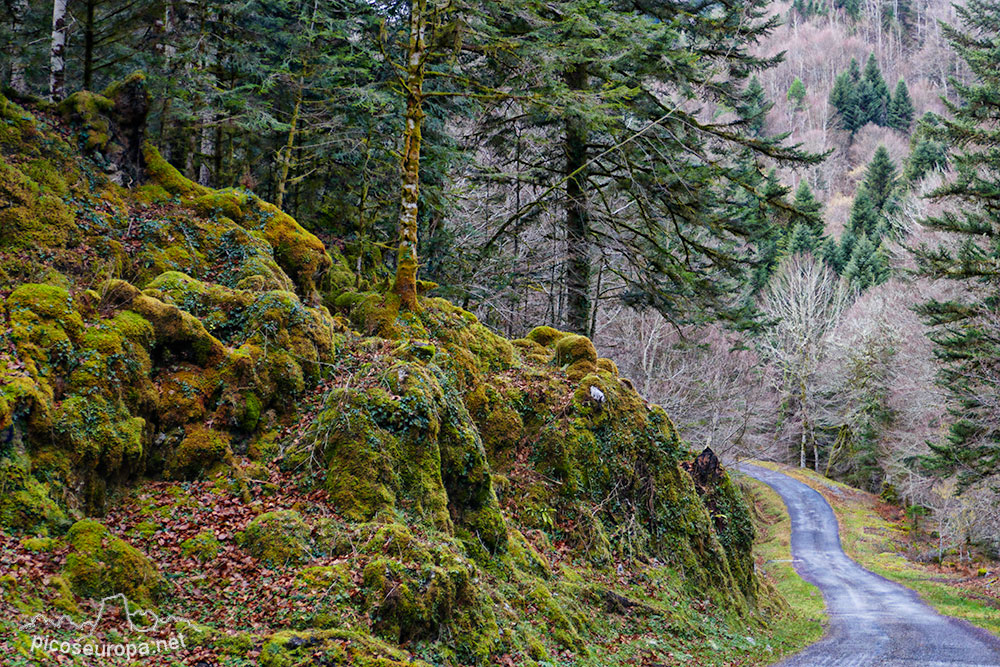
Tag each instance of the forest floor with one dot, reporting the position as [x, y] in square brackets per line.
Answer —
[880, 537]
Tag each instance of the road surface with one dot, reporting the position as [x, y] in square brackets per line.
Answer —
[872, 620]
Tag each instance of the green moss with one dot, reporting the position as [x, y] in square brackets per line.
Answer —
[24, 501]
[227, 203]
[200, 449]
[577, 355]
[89, 110]
[278, 538]
[178, 330]
[100, 564]
[545, 336]
[204, 546]
[166, 176]
[39, 544]
[333, 578]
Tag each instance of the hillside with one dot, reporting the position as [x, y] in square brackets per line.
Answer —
[204, 409]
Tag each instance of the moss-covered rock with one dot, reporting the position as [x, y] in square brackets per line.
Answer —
[100, 564]
[577, 355]
[278, 538]
[200, 450]
[89, 111]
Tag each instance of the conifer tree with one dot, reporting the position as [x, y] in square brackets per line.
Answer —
[926, 153]
[875, 200]
[797, 94]
[801, 240]
[808, 209]
[867, 265]
[829, 251]
[845, 249]
[966, 329]
[880, 179]
[900, 112]
[864, 216]
[873, 96]
[844, 99]
[625, 135]
[755, 107]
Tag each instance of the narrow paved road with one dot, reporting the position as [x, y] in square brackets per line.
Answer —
[872, 620]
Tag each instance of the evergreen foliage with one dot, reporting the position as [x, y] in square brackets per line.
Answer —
[877, 197]
[862, 97]
[797, 94]
[900, 112]
[867, 265]
[926, 153]
[966, 333]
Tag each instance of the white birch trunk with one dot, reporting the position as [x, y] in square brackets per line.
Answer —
[57, 53]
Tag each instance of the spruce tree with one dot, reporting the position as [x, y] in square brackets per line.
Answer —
[754, 107]
[864, 216]
[874, 95]
[808, 210]
[797, 95]
[926, 153]
[900, 112]
[867, 265]
[829, 250]
[845, 249]
[966, 330]
[880, 179]
[801, 240]
[844, 99]
[598, 77]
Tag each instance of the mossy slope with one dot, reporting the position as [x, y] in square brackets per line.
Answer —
[469, 497]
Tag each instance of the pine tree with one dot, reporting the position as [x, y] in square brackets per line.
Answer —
[873, 96]
[864, 216]
[880, 179]
[900, 112]
[867, 265]
[965, 329]
[926, 153]
[808, 210]
[797, 95]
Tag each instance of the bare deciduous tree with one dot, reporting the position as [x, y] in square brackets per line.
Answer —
[804, 299]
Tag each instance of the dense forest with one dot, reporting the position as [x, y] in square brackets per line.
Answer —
[325, 295]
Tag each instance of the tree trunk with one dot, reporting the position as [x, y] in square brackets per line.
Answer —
[286, 155]
[577, 214]
[406, 256]
[206, 148]
[88, 46]
[57, 52]
[805, 425]
[19, 8]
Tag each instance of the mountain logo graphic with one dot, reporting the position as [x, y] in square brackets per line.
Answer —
[139, 620]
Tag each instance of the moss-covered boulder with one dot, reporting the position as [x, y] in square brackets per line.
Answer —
[577, 355]
[100, 564]
[277, 538]
[412, 444]
[200, 450]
